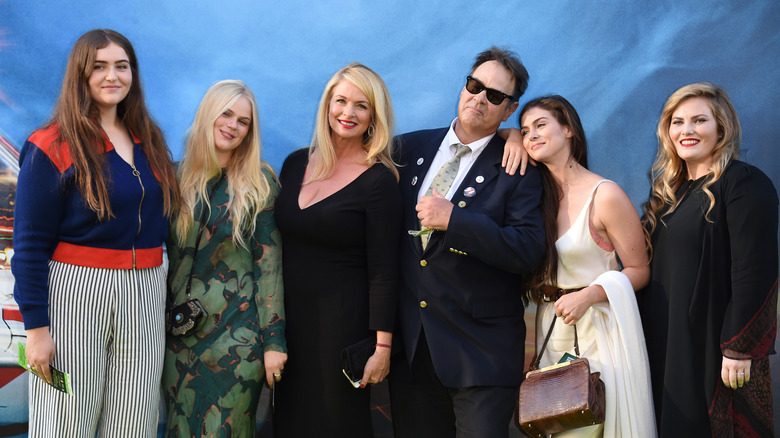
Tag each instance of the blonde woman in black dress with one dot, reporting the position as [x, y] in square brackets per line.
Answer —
[710, 310]
[340, 216]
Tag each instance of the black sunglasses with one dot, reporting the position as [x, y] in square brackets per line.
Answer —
[474, 86]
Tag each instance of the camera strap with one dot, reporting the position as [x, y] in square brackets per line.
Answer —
[203, 219]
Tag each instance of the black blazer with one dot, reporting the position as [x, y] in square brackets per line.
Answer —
[464, 289]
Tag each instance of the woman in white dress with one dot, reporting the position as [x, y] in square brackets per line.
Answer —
[592, 230]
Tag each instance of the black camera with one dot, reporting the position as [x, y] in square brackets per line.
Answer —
[186, 318]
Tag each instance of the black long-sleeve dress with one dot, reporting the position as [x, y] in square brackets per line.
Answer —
[713, 293]
[340, 262]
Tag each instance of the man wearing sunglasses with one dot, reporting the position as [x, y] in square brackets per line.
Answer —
[472, 232]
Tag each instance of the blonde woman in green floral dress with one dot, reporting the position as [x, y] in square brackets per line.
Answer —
[225, 252]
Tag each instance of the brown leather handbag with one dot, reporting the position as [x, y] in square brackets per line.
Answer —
[560, 397]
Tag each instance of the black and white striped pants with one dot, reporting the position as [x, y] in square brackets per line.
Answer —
[109, 334]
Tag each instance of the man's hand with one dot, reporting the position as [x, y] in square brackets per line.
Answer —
[515, 155]
[434, 211]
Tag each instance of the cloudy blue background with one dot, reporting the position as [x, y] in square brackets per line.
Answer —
[616, 61]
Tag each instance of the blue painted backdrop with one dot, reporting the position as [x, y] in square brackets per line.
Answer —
[615, 61]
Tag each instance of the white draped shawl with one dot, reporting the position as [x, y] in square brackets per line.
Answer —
[624, 363]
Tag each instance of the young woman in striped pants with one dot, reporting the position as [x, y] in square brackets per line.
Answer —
[95, 187]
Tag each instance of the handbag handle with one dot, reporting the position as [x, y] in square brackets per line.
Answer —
[535, 364]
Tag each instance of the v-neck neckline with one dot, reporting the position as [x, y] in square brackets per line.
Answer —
[300, 187]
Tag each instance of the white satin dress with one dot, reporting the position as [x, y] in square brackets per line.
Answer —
[580, 260]
[609, 334]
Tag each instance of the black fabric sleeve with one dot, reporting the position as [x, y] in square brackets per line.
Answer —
[751, 216]
[383, 237]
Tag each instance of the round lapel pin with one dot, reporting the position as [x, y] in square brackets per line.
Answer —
[469, 192]
[414, 181]
[480, 179]
[462, 204]
[420, 161]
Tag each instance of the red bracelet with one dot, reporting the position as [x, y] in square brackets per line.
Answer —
[383, 345]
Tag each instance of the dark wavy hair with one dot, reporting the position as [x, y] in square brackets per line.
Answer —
[511, 62]
[566, 115]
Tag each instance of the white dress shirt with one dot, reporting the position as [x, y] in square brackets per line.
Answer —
[446, 151]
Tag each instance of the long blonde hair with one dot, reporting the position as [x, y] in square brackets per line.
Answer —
[378, 139]
[669, 171]
[248, 189]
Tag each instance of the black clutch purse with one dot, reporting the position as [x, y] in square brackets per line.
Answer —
[186, 318]
[354, 358]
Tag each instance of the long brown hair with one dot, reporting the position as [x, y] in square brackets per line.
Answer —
[669, 171]
[566, 115]
[77, 118]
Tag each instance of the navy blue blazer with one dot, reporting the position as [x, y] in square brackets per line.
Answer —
[464, 289]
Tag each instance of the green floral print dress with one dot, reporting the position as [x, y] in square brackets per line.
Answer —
[212, 378]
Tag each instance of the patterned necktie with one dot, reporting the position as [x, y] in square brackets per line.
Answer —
[444, 179]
